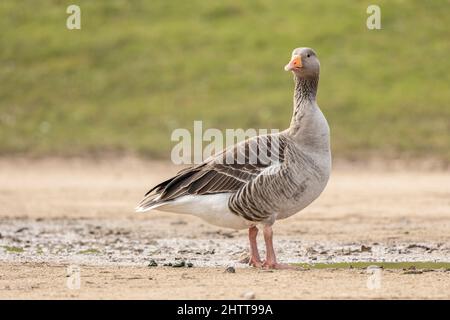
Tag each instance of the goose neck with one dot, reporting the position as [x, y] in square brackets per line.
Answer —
[304, 97]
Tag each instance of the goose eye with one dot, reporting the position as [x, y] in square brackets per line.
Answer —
[308, 55]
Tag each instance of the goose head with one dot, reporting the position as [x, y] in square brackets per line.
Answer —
[304, 63]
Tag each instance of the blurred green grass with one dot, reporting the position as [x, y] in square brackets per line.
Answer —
[139, 69]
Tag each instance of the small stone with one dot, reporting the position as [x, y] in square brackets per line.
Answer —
[230, 269]
[179, 264]
[169, 264]
[249, 295]
[189, 264]
[152, 263]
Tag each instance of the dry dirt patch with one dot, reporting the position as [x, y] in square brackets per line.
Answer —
[36, 281]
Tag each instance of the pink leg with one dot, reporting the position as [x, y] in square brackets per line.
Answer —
[255, 260]
[271, 260]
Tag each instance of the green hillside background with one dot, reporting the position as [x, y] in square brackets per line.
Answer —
[137, 70]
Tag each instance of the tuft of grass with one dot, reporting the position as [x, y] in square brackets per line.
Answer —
[384, 265]
[139, 69]
[89, 251]
[13, 249]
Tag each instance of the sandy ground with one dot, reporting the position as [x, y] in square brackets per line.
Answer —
[56, 213]
[32, 281]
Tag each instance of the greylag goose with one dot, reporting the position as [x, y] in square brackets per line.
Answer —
[254, 194]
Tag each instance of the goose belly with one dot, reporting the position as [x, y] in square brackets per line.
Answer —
[211, 208]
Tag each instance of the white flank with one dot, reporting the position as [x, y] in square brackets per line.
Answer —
[211, 208]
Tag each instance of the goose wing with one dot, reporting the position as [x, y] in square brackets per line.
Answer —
[226, 172]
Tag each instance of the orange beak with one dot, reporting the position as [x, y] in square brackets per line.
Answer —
[296, 62]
